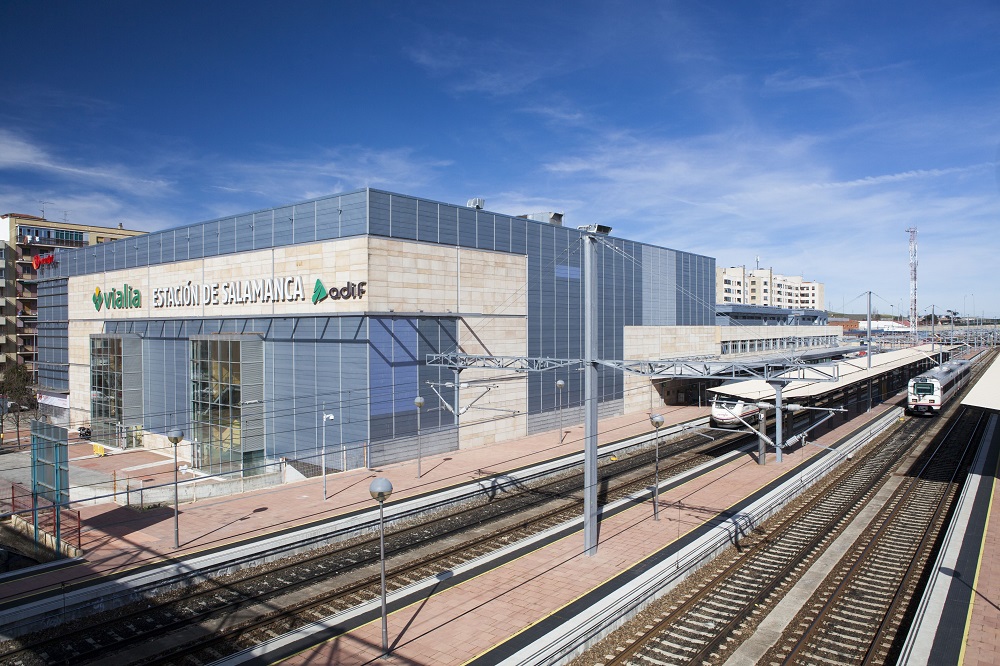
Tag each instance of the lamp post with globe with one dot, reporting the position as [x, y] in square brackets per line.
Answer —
[175, 435]
[657, 422]
[380, 490]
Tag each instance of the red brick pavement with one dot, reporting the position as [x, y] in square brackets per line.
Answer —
[982, 644]
[464, 621]
[117, 538]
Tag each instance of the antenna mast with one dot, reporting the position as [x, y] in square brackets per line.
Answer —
[913, 283]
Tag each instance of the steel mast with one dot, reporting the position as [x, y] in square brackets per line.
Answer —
[913, 284]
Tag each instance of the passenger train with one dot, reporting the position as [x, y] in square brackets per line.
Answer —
[725, 410]
[929, 391]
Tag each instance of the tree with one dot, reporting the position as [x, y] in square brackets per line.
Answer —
[15, 392]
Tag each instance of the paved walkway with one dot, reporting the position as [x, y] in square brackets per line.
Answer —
[977, 592]
[467, 620]
[470, 618]
[116, 538]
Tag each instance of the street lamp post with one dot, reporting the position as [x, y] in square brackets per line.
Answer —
[322, 457]
[418, 402]
[965, 313]
[657, 422]
[560, 385]
[380, 490]
[175, 435]
[975, 333]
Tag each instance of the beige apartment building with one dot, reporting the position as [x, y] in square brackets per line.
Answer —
[762, 286]
[29, 242]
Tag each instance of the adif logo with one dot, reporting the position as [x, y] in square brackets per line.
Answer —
[351, 290]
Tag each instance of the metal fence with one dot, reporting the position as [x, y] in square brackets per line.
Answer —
[18, 503]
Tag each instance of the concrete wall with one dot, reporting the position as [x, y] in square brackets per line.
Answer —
[483, 289]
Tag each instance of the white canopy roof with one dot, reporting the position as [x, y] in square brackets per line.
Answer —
[851, 371]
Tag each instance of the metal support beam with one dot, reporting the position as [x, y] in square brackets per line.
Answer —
[662, 369]
[762, 439]
[778, 440]
[590, 396]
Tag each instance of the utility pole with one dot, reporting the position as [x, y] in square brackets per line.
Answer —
[913, 284]
[869, 354]
[590, 393]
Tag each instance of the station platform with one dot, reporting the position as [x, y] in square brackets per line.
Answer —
[498, 615]
[492, 616]
[958, 621]
[116, 539]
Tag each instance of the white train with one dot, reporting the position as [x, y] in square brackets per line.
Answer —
[927, 392]
[725, 410]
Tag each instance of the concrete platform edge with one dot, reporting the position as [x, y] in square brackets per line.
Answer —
[18, 617]
[576, 634]
[923, 631]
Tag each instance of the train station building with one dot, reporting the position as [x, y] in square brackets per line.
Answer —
[286, 332]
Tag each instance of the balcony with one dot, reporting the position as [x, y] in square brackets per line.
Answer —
[47, 242]
[24, 291]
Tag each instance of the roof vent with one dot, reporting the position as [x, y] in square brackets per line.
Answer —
[476, 203]
[555, 219]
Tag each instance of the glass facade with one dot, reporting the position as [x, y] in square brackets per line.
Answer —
[226, 377]
[215, 401]
[366, 370]
[115, 390]
[106, 408]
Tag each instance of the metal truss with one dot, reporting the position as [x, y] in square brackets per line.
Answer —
[675, 368]
[458, 361]
[716, 369]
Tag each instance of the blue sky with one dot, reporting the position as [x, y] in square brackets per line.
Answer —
[810, 135]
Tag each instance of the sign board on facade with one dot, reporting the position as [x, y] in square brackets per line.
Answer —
[40, 260]
[238, 292]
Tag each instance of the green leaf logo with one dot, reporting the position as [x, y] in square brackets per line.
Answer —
[319, 292]
[97, 298]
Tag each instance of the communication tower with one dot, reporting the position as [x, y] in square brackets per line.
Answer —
[913, 283]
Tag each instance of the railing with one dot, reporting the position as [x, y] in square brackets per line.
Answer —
[20, 505]
[35, 240]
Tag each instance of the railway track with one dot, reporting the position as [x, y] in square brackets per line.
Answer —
[203, 623]
[702, 627]
[711, 617]
[856, 615]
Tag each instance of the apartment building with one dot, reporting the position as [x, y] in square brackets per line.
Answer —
[29, 242]
[762, 286]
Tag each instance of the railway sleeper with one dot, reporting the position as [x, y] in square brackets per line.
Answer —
[735, 594]
[838, 656]
[681, 644]
[851, 630]
[723, 608]
[847, 617]
[703, 630]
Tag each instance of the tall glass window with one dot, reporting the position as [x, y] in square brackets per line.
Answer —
[216, 400]
[106, 414]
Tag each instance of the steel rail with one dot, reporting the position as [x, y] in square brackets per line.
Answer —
[220, 597]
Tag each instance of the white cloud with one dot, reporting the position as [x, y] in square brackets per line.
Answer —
[18, 153]
[738, 195]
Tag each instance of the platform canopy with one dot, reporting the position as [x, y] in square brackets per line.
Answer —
[847, 372]
[985, 394]
[769, 369]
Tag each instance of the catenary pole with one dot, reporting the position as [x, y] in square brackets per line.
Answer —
[590, 396]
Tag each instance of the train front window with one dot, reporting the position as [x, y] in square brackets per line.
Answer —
[923, 389]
